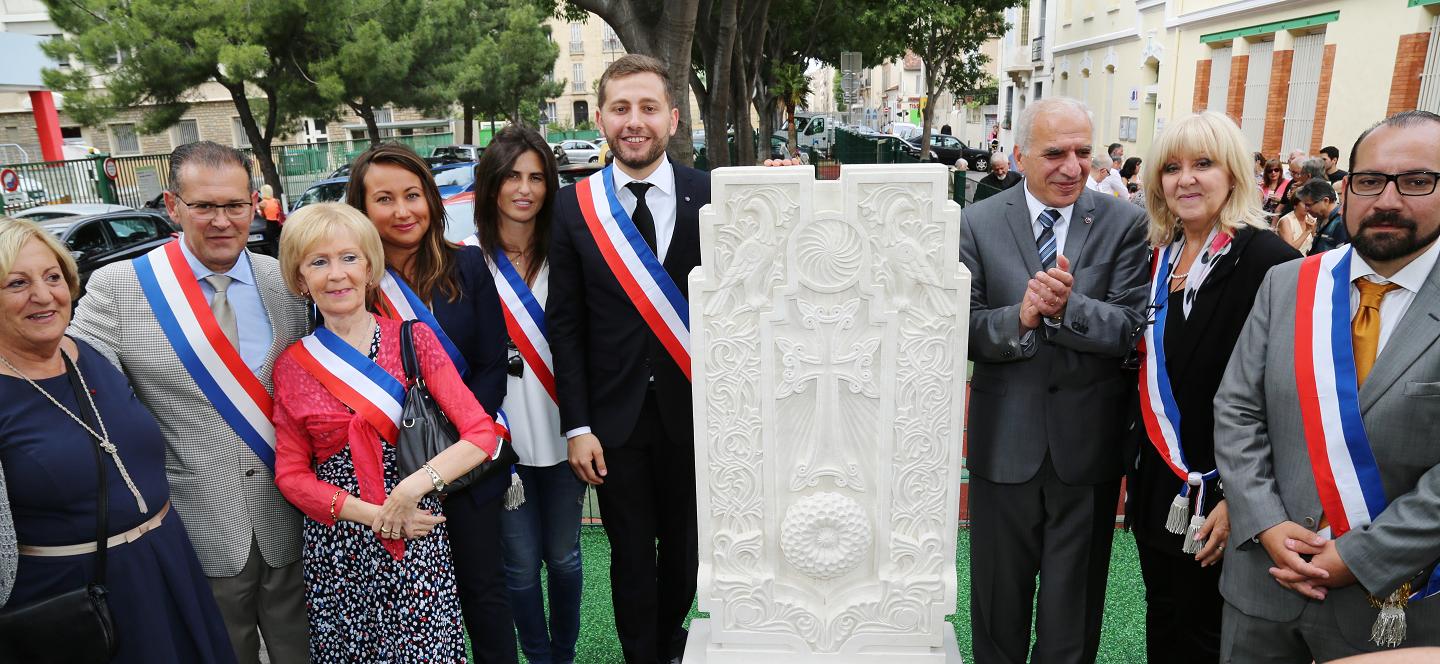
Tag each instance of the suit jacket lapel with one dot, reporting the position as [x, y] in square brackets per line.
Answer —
[1417, 331]
[1017, 217]
[1079, 230]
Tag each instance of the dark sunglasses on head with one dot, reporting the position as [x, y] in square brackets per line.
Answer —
[514, 363]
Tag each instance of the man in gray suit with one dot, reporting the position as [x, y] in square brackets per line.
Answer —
[246, 535]
[1292, 593]
[1058, 279]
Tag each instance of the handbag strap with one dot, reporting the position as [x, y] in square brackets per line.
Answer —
[407, 353]
[102, 518]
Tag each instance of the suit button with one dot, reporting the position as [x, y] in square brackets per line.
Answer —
[1053, 389]
[1309, 522]
[250, 473]
[1007, 354]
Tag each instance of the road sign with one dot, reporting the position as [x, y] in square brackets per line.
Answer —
[111, 168]
[9, 179]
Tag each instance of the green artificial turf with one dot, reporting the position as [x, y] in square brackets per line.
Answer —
[1122, 638]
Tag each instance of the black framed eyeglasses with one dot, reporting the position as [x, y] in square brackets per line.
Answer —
[207, 211]
[1409, 183]
[514, 363]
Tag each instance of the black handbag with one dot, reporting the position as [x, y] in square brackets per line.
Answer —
[73, 627]
[426, 432]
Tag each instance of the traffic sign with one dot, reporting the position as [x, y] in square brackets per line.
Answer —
[9, 179]
[111, 168]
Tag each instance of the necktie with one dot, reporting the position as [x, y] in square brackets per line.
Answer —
[220, 306]
[1365, 328]
[641, 216]
[1046, 242]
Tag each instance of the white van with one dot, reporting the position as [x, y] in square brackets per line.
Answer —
[813, 131]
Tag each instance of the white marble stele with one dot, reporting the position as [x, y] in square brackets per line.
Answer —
[828, 325]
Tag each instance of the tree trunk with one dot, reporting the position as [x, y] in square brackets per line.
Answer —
[928, 112]
[259, 143]
[745, 147]
[790, 116]
[468, 133]
[717, 53]
[367, 113]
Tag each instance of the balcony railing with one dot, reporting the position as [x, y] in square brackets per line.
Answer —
[577, 47]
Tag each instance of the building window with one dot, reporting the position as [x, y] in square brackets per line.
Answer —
[1430, 77]
[124, 139]
[581, 111]
[187, 131]
[319, 125]
[577, 77]
[1257, 92]
[577, 38]
[611, 40]
[1129, 127]
[242, 139]
[1304, 88]
[72, 132]
[550, 113]
[1219, 78]
[384, 116]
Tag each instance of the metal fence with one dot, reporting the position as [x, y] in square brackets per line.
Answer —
[139, 179]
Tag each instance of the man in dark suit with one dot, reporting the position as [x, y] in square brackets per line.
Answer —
[999, 179]
[1058, 278]
[624, 395]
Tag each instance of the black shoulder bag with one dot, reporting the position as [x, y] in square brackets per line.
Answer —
[426, 432]
[73, 627]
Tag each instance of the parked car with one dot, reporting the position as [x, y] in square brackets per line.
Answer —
[948, 149]
[102, 239]
[581, 152]
[44, 213]
[572, 173]
[464, 152]
[460, 216]
[325, 191]
[454, 178]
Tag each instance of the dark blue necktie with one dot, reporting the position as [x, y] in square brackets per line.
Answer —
[1046, 242]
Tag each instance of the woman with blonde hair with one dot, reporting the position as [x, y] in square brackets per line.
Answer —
[1211, 248]
[379, 576]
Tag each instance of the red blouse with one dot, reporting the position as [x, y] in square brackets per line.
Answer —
[311, 424]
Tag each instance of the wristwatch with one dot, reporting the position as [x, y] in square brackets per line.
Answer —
[434, 478]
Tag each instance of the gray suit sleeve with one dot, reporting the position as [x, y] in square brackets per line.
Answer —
[1242, 441]
[1109, 324]
[1400, 542]
[994, 331]
[95, 320]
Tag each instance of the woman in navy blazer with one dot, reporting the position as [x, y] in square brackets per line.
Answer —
[394, 188]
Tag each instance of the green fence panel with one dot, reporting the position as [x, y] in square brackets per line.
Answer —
[576, 134]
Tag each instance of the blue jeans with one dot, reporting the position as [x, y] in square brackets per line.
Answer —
[546, 527]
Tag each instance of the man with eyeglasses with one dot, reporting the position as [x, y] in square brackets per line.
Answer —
[1325, 426]
[1317, 199]
[197, 325]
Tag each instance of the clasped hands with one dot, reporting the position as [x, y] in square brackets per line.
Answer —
[1046, 294]
[400, 516]
[1289, 545]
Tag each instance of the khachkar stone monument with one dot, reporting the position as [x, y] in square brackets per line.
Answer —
[828, 326]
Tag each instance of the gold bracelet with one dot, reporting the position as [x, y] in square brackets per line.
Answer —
[334, 497]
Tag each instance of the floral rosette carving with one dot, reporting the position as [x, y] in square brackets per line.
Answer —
[825, 535]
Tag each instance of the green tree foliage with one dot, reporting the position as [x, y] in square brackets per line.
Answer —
[790, 89]
[947, 35]
[506, 69]
[153, 54]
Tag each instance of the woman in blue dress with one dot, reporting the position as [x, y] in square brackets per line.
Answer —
[160, 602]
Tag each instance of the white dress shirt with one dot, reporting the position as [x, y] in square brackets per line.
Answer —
[660, 199]
[1410, 278]
[251, 322]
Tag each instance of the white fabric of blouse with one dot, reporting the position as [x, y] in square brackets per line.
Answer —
[534, 417]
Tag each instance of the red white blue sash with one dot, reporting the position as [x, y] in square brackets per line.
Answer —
[471, 241]
[397, 301]
[203, 349]
[354, 379]
[1159, 410]
[640, 273]
[1347, 476]
[525, 320]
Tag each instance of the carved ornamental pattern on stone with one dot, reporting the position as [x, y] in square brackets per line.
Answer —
[829, 334]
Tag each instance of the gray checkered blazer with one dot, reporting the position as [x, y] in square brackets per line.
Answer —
[221, 489]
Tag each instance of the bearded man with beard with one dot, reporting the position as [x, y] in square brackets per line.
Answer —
[623, 385]
[1325, 426]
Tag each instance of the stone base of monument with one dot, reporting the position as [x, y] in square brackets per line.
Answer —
[699, 649]
[829, 326]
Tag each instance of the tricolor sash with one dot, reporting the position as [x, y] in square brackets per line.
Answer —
[354, 379]
[639, 272]
[400, 303]
[525, 320]
[1347, 476]
[1160, 412]
[203, 349]
[471, 241]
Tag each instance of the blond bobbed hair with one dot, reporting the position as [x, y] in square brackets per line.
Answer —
[317, 223]
[16, 233]
[1209, 134]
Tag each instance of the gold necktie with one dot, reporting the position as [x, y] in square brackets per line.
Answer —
[1365, 328]
[220, 306]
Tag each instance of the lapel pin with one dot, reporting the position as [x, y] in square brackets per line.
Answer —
[1089, 218]
[687, 199]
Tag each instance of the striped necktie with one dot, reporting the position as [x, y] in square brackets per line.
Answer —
[1046, 242]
